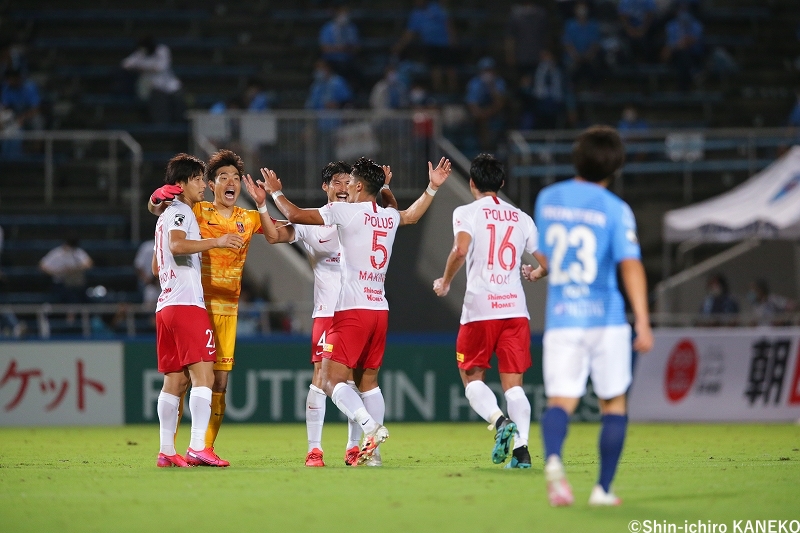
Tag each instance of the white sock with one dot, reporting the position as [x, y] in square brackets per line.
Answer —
[200, 406]
[315, 416]
[353, 428]
[483, 401]
[351, 405]
[519, 411]
[167, 421]
[375, 406]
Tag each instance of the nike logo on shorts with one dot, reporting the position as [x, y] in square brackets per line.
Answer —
[212, 352]
[323, 242]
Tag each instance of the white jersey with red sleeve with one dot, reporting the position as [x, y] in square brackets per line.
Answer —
[500, 234]
[322, 245]
[179, 275]
[366, 234]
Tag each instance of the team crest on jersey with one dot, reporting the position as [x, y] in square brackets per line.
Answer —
[179, 218]
[631, 236]
[240, 227]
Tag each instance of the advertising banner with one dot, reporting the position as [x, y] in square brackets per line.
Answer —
[61, 383]
[269, 383]
[729, 374]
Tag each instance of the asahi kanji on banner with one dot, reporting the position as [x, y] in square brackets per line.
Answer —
[61, 384]
[732, 374]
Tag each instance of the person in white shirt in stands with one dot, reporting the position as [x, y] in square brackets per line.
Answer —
[67, 265]
[490, 237]
[157, 84]
[356, 339]
[184, 338]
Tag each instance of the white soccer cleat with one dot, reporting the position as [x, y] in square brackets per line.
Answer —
[558, 490]
[375, 460]
[600, 497]
[370, 443]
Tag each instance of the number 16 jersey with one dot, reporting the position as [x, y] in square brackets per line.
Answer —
[500, 234]
[585, 231]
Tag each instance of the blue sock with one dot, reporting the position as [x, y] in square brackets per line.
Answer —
[612, 438]
[554, 430]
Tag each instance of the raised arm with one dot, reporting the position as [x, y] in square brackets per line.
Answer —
[635, 281]
[296, 215]
[273, 232]
[456, 259]
[387, 197]
[162, 198]
[437, 177]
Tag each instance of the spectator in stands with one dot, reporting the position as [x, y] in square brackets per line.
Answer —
[256, 98]
[157, 84]
[543, 95]
[13, 57]
[21, 108]
[582, 45]
[67, 265]
[527, 35]
[765, 306]
[328, 90]
[486, 97]
[794, 115]
[684, 47]
[149, 286]
[718, 299]
[340, 42]
[637, 17]
[430, 24]
[630, 121]
[390, 92]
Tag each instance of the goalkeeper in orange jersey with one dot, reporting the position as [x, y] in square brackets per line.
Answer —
[221, 272]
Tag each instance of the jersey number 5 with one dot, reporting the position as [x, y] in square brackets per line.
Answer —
[584, 270]
[505, 246]
[378, 247]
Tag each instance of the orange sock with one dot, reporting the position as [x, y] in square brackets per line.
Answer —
[180, 415]
[217, 414]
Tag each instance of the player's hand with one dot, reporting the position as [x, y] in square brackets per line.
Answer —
[271, 181]
[439, 174]
[440, 287]
[258, 194]
[387, 172]
[644, 337]
[230, 240]
[165, 194]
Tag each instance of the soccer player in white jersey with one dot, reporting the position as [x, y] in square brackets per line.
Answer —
[322, 245]
[356, 339]
[490, 237]
[184, 338]
[587, 233]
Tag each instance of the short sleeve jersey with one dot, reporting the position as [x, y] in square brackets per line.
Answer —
[322, 245]
[222, 267]
[366, 235]
[500, 234]
[179, 275]
[584, 231]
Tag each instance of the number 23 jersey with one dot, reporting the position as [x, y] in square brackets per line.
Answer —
[500, 234]
[366, 235]
[585, 231]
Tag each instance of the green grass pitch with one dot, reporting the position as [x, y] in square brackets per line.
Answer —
[436, 478]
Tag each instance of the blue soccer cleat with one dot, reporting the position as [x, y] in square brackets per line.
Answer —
[520, 458]
[502, 441]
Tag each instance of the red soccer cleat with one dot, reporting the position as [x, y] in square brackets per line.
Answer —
[370, 443]
[351, 456]
[166, 461]
[204, 457]
[314, 458]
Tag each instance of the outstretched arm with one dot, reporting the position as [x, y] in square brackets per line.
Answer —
[635, 281]
[456, 259]
[180, 245]
[162, 198]
[387, 197]
[437, 177]
[295, 215]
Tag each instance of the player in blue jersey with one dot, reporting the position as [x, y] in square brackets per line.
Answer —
[586, 233]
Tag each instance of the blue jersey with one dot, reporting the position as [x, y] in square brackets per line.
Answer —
[584, 231]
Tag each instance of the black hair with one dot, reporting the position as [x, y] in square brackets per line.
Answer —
[487, 173]
[148, 43]
[598, 153]
[333, 168]
[370, 174]
[182, 167]
[721, 280]
[224, 158]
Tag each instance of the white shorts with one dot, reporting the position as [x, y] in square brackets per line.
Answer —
[572, 354]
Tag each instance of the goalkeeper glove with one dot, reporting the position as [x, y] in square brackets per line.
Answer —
[165, 193]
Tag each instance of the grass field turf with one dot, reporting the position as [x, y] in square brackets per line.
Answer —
[436, 478]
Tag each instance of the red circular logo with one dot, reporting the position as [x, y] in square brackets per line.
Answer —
[681, 371]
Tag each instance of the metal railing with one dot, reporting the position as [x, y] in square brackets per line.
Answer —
[297, 144]
[679, 154]
[78, 145]
[126, 320]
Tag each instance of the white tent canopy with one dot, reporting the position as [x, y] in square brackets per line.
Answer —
[767, 206]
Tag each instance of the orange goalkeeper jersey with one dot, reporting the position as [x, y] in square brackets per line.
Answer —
[222, 267]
